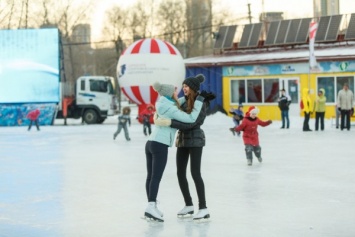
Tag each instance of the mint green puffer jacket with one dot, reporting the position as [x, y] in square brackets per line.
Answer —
[166, 108]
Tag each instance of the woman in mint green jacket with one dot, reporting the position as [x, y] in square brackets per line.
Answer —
[319, 108]
[160, 139]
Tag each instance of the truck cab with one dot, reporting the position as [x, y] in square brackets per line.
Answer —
[94, 100]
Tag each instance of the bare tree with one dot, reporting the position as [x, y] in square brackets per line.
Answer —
[171, 22]
[66, 15]
[116, 29]
[7, 9]
[138, 20]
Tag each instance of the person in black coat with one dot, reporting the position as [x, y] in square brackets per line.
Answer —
[284, 104]
[190, 141]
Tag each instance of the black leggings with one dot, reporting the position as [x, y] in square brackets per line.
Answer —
[31, 122]
[306, 121]
[182, 158]
[157, 155]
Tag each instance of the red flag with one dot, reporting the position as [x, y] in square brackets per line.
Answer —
[312, 35]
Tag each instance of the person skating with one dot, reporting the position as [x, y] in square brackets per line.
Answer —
[162, 137]
[123, 121]
[249, 127]
[319, 109]
[345, 106]
[33, 117]
[190, 142]
[307, 109]
[284, 105]
[238, 116]
[146, 116]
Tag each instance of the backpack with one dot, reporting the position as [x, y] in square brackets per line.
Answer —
[301, 104]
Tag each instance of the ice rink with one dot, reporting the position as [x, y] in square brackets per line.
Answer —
[75, 180]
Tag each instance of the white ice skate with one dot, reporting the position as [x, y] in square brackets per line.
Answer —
[202, 216]
[151, 213]
[187, 211]
[159, 212]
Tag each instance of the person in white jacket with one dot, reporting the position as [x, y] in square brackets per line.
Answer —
[345, 106]
[162, 137]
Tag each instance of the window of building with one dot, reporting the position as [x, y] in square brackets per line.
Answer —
[238, 91]
[254, 91]
[271, 90]
[346, 79]
[327, 83]
[332, 85]
[257, 91]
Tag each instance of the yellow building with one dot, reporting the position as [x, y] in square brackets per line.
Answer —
[256, 78]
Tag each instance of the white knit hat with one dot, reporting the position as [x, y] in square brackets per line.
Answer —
[164, 89]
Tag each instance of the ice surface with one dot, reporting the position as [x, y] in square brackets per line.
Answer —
[76, 180]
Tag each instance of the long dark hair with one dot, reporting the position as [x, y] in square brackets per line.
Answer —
[190, 101]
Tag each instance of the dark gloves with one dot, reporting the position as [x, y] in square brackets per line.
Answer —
[207, 95]
[339, 109]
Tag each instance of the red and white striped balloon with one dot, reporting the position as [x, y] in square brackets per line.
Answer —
[145, 62]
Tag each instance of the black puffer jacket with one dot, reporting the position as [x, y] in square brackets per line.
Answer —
[190, 134]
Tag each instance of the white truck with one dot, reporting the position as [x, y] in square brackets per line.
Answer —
[93, 99]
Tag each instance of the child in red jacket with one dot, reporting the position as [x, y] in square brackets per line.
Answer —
[33, 117]
[249, 126]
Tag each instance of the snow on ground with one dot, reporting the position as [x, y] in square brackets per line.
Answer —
[76, 180]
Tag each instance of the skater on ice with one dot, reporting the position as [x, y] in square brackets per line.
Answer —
[33, 117]
[284, 105]
[345, 106]
[307, 109]
[123, 121]
[156, 148]
[190, 142]
[249, 127]
[238, 116]
[319, 109]
[146, 116]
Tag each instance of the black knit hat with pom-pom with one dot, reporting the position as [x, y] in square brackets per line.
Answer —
[194, 82]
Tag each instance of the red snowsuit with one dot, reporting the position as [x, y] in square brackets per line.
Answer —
[249, 126]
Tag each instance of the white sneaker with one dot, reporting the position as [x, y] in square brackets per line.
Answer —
[202, 214]
[151, 213]
[186, 211]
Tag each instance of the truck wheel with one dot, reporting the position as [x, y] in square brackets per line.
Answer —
[90, 116]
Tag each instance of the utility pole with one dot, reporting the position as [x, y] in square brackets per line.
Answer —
[249, 13]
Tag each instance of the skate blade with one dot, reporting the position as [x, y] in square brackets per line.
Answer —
[185, 216]
[203, 219]
[151, 218]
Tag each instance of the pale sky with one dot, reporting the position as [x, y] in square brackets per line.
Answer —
[292, 9]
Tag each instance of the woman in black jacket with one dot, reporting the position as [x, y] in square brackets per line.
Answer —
[190, 142]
